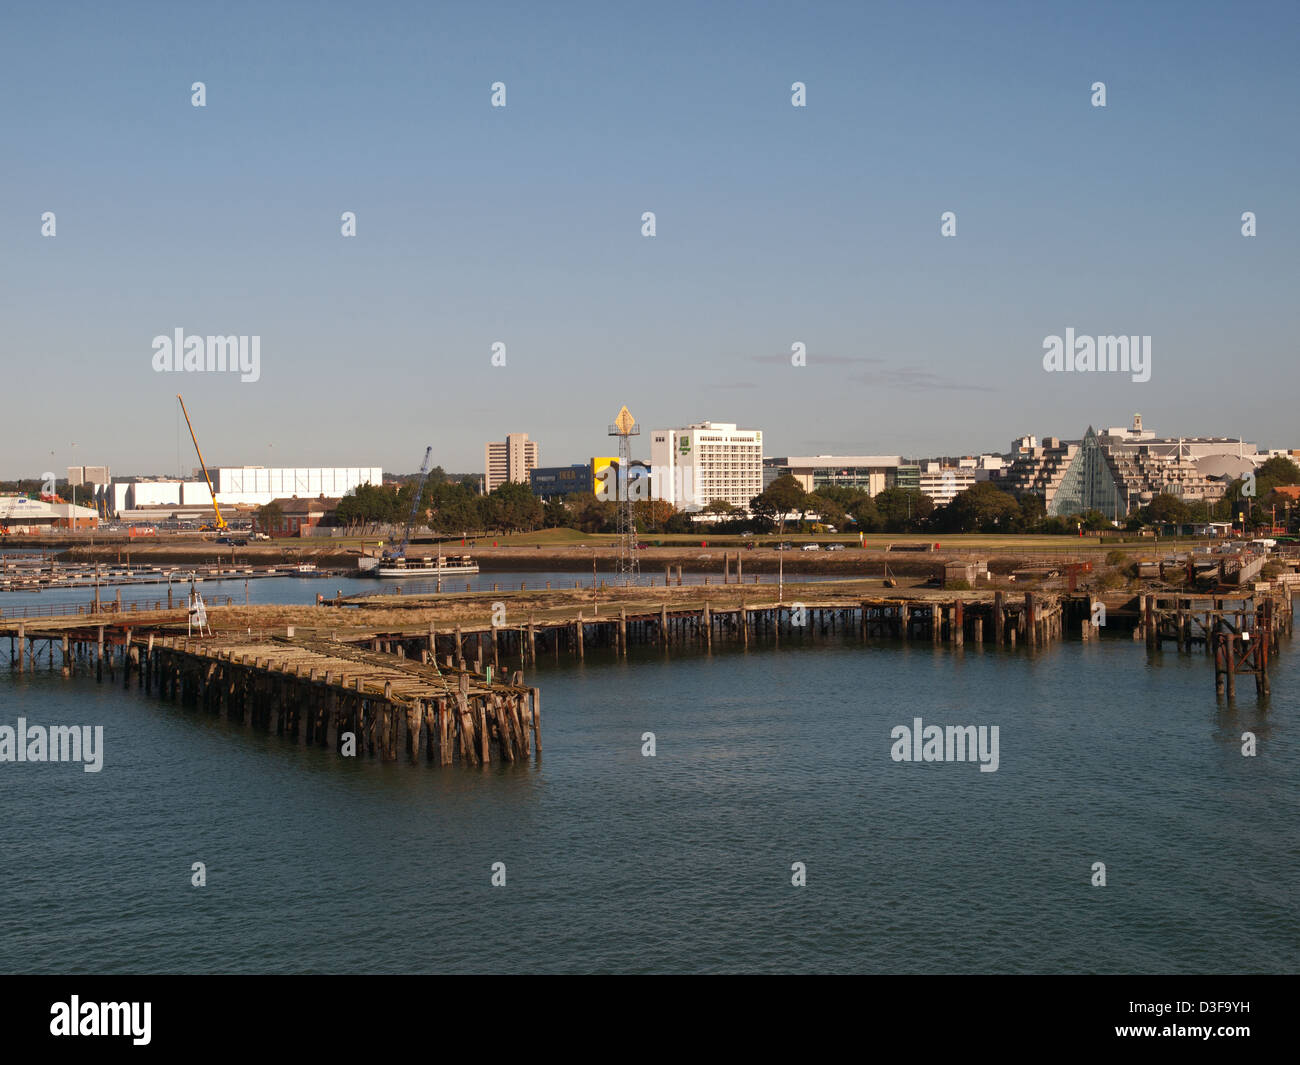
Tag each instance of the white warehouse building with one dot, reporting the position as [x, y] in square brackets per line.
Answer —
[260, 484]
[241, 485]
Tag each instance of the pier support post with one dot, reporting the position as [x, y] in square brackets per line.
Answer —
[536, 696]
[485, 741]
[1231, 664]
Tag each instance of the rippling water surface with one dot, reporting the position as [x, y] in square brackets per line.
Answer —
[682, 862]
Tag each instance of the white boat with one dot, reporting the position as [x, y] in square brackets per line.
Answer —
[442, 566]
[306, 569]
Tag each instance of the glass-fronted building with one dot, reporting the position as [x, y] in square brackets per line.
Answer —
[1090, 482]
[871, 473]
[550, 482]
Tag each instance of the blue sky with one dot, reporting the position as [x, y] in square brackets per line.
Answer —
[775, 224]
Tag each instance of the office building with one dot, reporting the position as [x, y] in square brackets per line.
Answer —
[697, 464]
[871, 473]
[555, 482]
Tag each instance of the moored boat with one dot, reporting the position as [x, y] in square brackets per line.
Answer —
[441, 566]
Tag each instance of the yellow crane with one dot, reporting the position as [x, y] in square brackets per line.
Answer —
[220, 524]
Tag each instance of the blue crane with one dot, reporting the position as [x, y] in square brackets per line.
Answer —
[415, 506]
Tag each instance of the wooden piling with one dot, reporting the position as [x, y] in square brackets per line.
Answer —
[535, 696]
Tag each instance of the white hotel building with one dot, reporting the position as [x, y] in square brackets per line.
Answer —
[700, 463]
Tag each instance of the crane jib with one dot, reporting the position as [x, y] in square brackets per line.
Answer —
[415, 504]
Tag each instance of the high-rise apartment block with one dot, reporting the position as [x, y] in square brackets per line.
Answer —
[511, 459]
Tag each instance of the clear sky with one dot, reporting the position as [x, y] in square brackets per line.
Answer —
[522, 224]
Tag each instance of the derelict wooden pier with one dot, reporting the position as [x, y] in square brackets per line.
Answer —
[315, 691]
[319, 691]
[399, 686]
[1033, 619]
[1240, 631]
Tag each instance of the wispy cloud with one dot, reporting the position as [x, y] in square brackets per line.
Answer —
[912, 380]
[878, 372]
[817, 359]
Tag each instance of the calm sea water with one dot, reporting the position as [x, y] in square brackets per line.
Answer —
[682, 862]
[305, 589]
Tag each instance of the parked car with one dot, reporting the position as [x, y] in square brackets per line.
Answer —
[785, 547]
[811, 547]
[834, 547]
